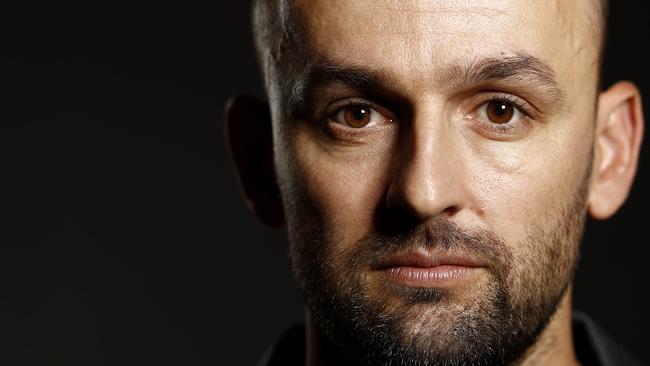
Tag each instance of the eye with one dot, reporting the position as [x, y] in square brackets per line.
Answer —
[359, 116]
[500, 112]
[502, 116]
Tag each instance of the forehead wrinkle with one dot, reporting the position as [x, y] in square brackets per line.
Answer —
[394, 18]
[438, 10]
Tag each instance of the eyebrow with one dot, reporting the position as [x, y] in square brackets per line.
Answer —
[323, 74]
[522, 69]
[351, 76]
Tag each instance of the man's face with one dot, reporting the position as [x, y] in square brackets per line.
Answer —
[434, 178]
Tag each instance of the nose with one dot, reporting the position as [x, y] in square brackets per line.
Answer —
[429, 175]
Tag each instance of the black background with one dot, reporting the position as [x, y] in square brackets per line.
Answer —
[124, 236]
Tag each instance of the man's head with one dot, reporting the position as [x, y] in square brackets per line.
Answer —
[435, 162]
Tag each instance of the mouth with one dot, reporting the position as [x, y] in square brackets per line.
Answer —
[426, 269]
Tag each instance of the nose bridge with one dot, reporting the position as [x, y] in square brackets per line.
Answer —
[428, 180]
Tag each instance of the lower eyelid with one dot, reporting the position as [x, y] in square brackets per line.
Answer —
[339, 131]
[506, 129]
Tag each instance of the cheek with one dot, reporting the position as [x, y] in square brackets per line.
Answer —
[525, 184]
[342, 188]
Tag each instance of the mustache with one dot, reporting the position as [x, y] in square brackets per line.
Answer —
[441, 235]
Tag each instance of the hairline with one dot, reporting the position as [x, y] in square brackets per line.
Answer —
[278, 42]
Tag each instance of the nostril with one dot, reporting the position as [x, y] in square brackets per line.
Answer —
[451, 211]
[400, 216]
[396, 219]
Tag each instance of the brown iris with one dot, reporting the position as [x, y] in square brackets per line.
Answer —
[357, 116]
[500, 112]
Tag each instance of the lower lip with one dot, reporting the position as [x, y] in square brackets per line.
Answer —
[438, 276]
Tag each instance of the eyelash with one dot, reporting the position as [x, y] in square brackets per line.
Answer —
[511, 99]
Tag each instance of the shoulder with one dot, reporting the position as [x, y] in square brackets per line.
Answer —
[595, 347]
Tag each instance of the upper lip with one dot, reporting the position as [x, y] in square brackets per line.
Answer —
[424, 258]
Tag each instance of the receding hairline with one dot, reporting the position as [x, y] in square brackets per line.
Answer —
[276, 31]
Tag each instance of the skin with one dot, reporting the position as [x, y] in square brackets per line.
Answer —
[431, 153]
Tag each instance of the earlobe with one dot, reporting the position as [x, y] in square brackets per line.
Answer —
[619, 131]
[249, 136]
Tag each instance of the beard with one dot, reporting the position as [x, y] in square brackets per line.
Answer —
[369, 321]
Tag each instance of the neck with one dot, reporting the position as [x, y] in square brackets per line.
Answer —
[320, 351]
[553, 347]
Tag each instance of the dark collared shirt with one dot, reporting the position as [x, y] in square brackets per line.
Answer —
[593, 347]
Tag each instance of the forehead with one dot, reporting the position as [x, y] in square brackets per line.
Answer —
[411, 39]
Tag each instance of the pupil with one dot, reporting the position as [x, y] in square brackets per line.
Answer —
[359, 113]
[500, 109]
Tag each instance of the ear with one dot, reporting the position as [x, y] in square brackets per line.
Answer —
[249, 136]
[619, 131]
